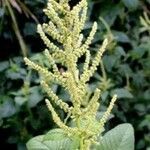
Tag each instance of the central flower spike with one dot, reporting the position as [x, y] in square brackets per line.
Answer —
[67, 47]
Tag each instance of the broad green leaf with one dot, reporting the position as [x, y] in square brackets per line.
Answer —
[110, 12]
[7, 108]
[55, 134]
[138, 52]
[138, 78]
[131, 4]
[36, 143]
[109, 62]
[13, 74]
[119, 138]
[35, 96]
[20, 100]
[55, 139]
[65, 144]
[145, 122]
[124, 69]
[121, 37]
[119, 51]
[122, 93]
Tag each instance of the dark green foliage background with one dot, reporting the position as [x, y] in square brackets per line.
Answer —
[23, 113]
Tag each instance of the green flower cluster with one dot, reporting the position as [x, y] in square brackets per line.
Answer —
[65, 28]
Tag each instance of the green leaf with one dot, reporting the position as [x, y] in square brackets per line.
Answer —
[13, 74]
[124, 69]
[149, 3]
[131, 4]
[4, 65]
[30, 29]
[36, 144]
[20, 100]
[119, 138]
[109, 62]
[119, 51]
[35, 96]
[122, 93]
[55, 139]
[7, 108]
[1, 122]
[121, 37]
[55, 134]
[138, 79]
[138, 52]
[2, 11]
[110, 12]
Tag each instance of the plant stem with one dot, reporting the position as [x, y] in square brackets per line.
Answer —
[103, 70]
[82, 137]
[16, 29]
[81, 144]
[107, 28]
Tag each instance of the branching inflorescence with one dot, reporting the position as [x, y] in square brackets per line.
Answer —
[65, 28]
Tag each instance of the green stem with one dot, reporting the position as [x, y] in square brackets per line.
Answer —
[78, 122]
[81, 144]
[103, 70]
[82, 136]
[16, 29]
[107, 28]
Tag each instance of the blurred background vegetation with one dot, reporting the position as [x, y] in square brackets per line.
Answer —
[125, 69]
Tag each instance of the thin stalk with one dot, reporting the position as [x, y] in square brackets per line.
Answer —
[16, 29]
[107, 28]
[103, 70]
[81, 144]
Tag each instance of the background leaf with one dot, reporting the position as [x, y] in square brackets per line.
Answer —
[7, 108]
[122, 93]
[131, 4]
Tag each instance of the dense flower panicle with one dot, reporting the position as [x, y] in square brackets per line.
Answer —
[55, 98]
[80, 51]
[87, 61]
[44, 72]
[88, 73]
[52, 62]
[57, 119]
[93, 104]
[65, 28]
[51, 30]
[47, 42]
[108, 111]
